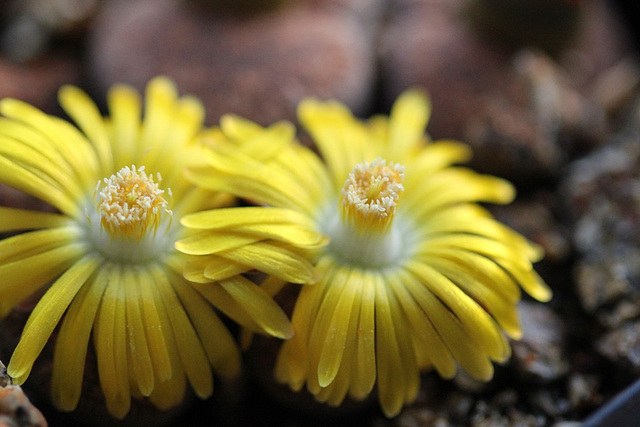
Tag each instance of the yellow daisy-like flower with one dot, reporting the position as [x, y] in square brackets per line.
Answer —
[108, 254]
[416, 275]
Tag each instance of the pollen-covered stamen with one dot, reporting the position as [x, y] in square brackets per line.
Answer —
[370, 195]
[130, 203]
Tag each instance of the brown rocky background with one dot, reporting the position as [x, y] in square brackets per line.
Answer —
[545, 91]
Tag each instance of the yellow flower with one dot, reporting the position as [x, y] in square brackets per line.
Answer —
[108, 253]
[416, 275]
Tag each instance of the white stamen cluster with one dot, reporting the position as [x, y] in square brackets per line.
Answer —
[370, 194]
[130, 202]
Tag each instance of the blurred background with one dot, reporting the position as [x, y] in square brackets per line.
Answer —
[545, 91]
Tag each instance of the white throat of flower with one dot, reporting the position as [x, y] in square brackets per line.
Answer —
[129, 220]
[366, 234]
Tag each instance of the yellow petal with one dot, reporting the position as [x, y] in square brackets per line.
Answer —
[292, 234]
[192, 354]
[219, 268]
[463, 347]
[23, 245]
[335, 392]
[170, 392]
[272, 181]
[184, 124]
[407, 122]
[32, 138]
[530, 281]
[365, 371]
[334, 341]
[239, 129]
[307, 169]
[340, 138]
[222, 300]
[12, 219]
[211, 268]
[221, 348]
[141, 367]
[293, 361]
[212, 242]
[60, 135]
[409, 365]
[23, 179]
[259, 143]
[428, 344]
[450, 223]
[280, 224]
[71, 344]
[23, 277]
[273, 259]
[391, 381]
[259, 305]
[111, 346]
[474, 283]
[86, 114]
[484, 269]
[256, 186]
[41, 165]
[46, 315]
[490, 248]
[476, 322]
[234, 217]
[436, 156]
[153, 326]
[425, 193]
[125, 112]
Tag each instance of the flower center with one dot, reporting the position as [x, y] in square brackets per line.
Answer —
[370, 195]
[130, 203]
[128, 221]
[366, 235]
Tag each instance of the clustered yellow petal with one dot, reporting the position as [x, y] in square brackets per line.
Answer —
[405, 271]
[415, 276]
[106, 259]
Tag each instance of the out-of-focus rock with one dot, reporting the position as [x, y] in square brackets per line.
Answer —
[436, 406]
[15, 408]
[550, 401]
[524, 115]
[614, 88]
[603, 198]
[601, 41]
[38, 81]
[5, 379]
[29, 25]
[535, 218]
[622, 347]
[583, 391]
[502, 410]
[540, 356]
[549, 25]
[258, 65]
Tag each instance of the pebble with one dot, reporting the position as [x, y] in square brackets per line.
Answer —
[583, 391]
[502, 410]
[603, 199]
[38, 81]
[523, 115]
[622, 347]
[15, 408]
[540, 356]
[256, 65]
